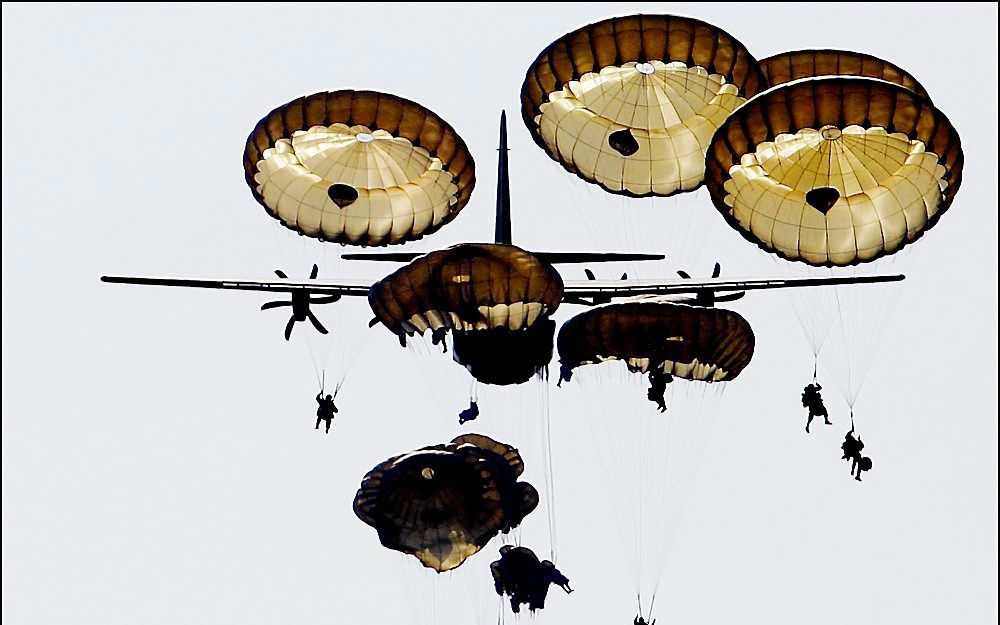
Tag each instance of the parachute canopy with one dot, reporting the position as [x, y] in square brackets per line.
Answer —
[797, 64]
[358, 167]
[631, 103]
[690, 342]
[497, 299]
[834, 171]
[443, 503]
[470, 286]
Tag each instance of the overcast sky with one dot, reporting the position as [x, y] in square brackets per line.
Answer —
[159, 461]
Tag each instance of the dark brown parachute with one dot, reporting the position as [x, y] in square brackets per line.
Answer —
[631, 103]
[835, 171]
[496, 299]
[443, 503]
[690, 342]
[797, 64]
[358, 167]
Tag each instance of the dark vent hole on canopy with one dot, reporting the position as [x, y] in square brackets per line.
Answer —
[823, 198]
[343, 195]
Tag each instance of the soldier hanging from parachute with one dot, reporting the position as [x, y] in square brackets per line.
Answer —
[520, 575]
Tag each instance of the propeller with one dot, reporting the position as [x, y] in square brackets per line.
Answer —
[599, 300]
[591, 276]
[707, 297]
[716, 271]
[300, 301]
[316, 324]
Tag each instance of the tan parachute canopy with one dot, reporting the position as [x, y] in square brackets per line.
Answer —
[358, 167]
[690, 342]
[797, 64]
[472, 286]
[835, 171]
[443, 503]
[631, 103]
[496, 299]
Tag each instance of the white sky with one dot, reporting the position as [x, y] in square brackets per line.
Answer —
[159, 462]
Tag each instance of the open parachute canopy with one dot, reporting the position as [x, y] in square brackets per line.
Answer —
[631, 103]
[443, 503]
[798, 64]
[358, 167]
[496, 300]
[689, 342]
[834, 171]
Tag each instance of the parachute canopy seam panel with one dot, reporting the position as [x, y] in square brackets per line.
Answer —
[797, 64]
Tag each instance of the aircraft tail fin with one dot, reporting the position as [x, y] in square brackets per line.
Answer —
[502, 233]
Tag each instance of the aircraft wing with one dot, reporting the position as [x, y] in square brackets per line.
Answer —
[271, 285]
[604, 289]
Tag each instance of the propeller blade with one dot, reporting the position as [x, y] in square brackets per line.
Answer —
[270, 305]
[316, 324]
[280, 274]
[314, 272]
[716, 270]
[684, 274]
[288, 328]
[590, 274]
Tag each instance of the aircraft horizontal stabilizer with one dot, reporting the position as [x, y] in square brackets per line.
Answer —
[555, 258]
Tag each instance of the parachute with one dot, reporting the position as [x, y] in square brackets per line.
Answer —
[834, 171]
[351, 167]
[358, 167]
[648, 460]
[694, 343]
[798, 64]
[631, 103]
[443, 503]
[836, 175]
[496, 299]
